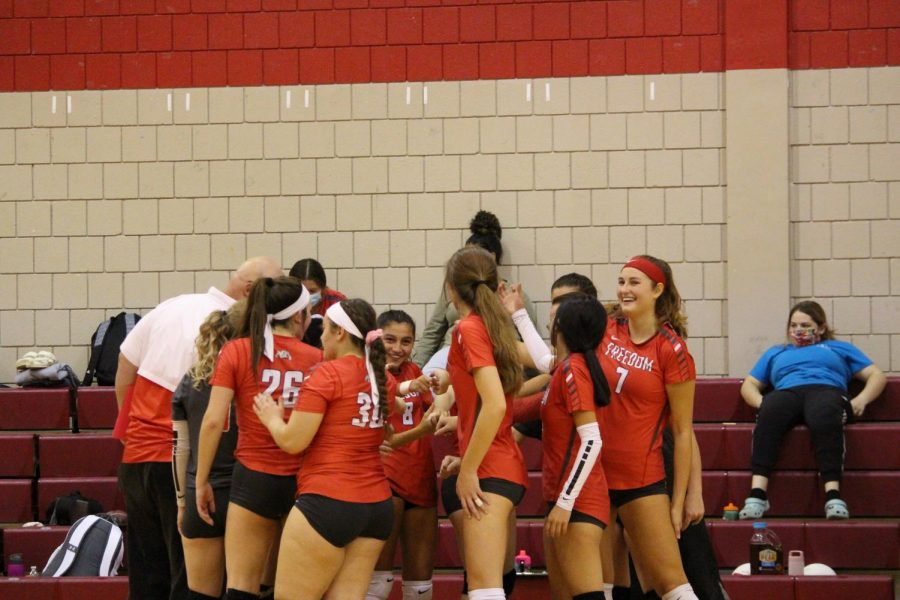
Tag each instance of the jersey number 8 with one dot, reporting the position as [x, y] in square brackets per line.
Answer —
[369, 412]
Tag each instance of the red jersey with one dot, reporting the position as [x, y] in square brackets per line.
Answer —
[410, 468]
[470, 349]
[280, 378]
[145, 419]
[632, 425]
[342, 461]
[570, 390]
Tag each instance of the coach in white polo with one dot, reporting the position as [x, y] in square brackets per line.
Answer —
[153, 359]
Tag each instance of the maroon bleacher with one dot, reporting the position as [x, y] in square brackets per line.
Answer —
[64, 588]
[79, 455]
[17, 451]
[34, 409]
[778, 587]
[869, 446]
[97, 408]
[15, 500]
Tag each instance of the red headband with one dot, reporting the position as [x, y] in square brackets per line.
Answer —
[647, 268]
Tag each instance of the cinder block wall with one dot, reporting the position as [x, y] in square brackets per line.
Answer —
[367, 137]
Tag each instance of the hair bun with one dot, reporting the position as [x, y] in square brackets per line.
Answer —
[486, 223]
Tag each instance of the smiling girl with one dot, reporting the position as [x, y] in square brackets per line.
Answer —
[652, 377]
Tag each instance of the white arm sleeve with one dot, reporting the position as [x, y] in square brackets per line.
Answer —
[181, 450]
[540, 353]
[584, 464]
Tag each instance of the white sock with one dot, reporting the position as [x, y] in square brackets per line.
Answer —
[487, 594]
[417, 590]
[682, 592]
[380, 586]
[608, 589]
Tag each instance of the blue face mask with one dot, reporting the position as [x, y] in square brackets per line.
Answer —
[314, 299]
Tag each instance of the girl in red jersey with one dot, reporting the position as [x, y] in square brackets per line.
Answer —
[268, 357]
[343, 513]
[409, 468]
[574, 482]
[485, 374]
[652, 375]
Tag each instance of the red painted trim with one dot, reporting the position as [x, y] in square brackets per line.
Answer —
[103, 44]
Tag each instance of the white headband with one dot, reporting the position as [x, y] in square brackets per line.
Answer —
[339, 317]
[298, 305]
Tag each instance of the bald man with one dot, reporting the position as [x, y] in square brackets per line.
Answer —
[152, 360]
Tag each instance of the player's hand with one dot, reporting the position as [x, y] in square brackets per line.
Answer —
[440, 381]
[446, 425]
[511, 297]
[468, 489]
[206, 503]
[267, 410]
[385, 448]
[450, 466]
[557, 523]
[420, 384]
[180, 520]
[694, 509]
[858, 407]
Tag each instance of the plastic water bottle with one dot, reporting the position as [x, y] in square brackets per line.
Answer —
[766, 555]
[523, 562]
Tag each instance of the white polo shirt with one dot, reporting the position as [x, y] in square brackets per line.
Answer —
[162, 342]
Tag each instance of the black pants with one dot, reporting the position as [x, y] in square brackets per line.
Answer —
[697, 555]
[155, 558]
[822, 408]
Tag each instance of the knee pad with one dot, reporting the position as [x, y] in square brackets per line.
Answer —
[417, 590]
[233, 594]
[380, 586]
[192, 595]
[590, 596]
[509, 582]
[487, 594]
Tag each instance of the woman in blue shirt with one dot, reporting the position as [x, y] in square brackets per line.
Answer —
[807, 382]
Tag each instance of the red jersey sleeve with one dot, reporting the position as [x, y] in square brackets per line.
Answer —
[675, 361]
[578, 388]
[318, 390]
[227, 368]
[476, 344]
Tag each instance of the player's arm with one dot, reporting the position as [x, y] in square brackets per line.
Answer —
[681, 406]
[126, 374]
[210, 434]
[585, 460]
[490, 415]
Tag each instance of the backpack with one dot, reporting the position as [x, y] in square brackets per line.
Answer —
[93, 547]
[65, 510]
[105, 344]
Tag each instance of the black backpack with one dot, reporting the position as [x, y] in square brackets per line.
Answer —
[93, 547]
[65, 510]
[105, 344]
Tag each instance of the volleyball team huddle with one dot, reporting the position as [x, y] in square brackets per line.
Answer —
[330, 462]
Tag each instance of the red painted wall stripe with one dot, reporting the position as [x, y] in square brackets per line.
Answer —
[107, 44]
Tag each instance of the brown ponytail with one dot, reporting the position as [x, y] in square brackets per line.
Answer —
[363, 316]
[267, 296]
[472, 273]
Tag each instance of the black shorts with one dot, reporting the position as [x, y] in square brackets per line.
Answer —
[192, 526]
[622, 497]
[532, 429]
[407, 505]
[494, 485]
[342, 522]
[579, 517]
[269, 496]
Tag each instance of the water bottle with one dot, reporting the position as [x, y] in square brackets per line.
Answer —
[766, 555]
[523, 562]
[14, 566]
[33, 572]
[730, 512]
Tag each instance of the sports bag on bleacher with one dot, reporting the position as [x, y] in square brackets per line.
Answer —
[93, 547]
[105, 344]
[65, 510]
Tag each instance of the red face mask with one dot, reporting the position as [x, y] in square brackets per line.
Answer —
[804, 337]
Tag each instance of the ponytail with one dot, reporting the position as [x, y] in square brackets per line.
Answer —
[581, 321]
[363, 316]
[472, 273]
[267, 296]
